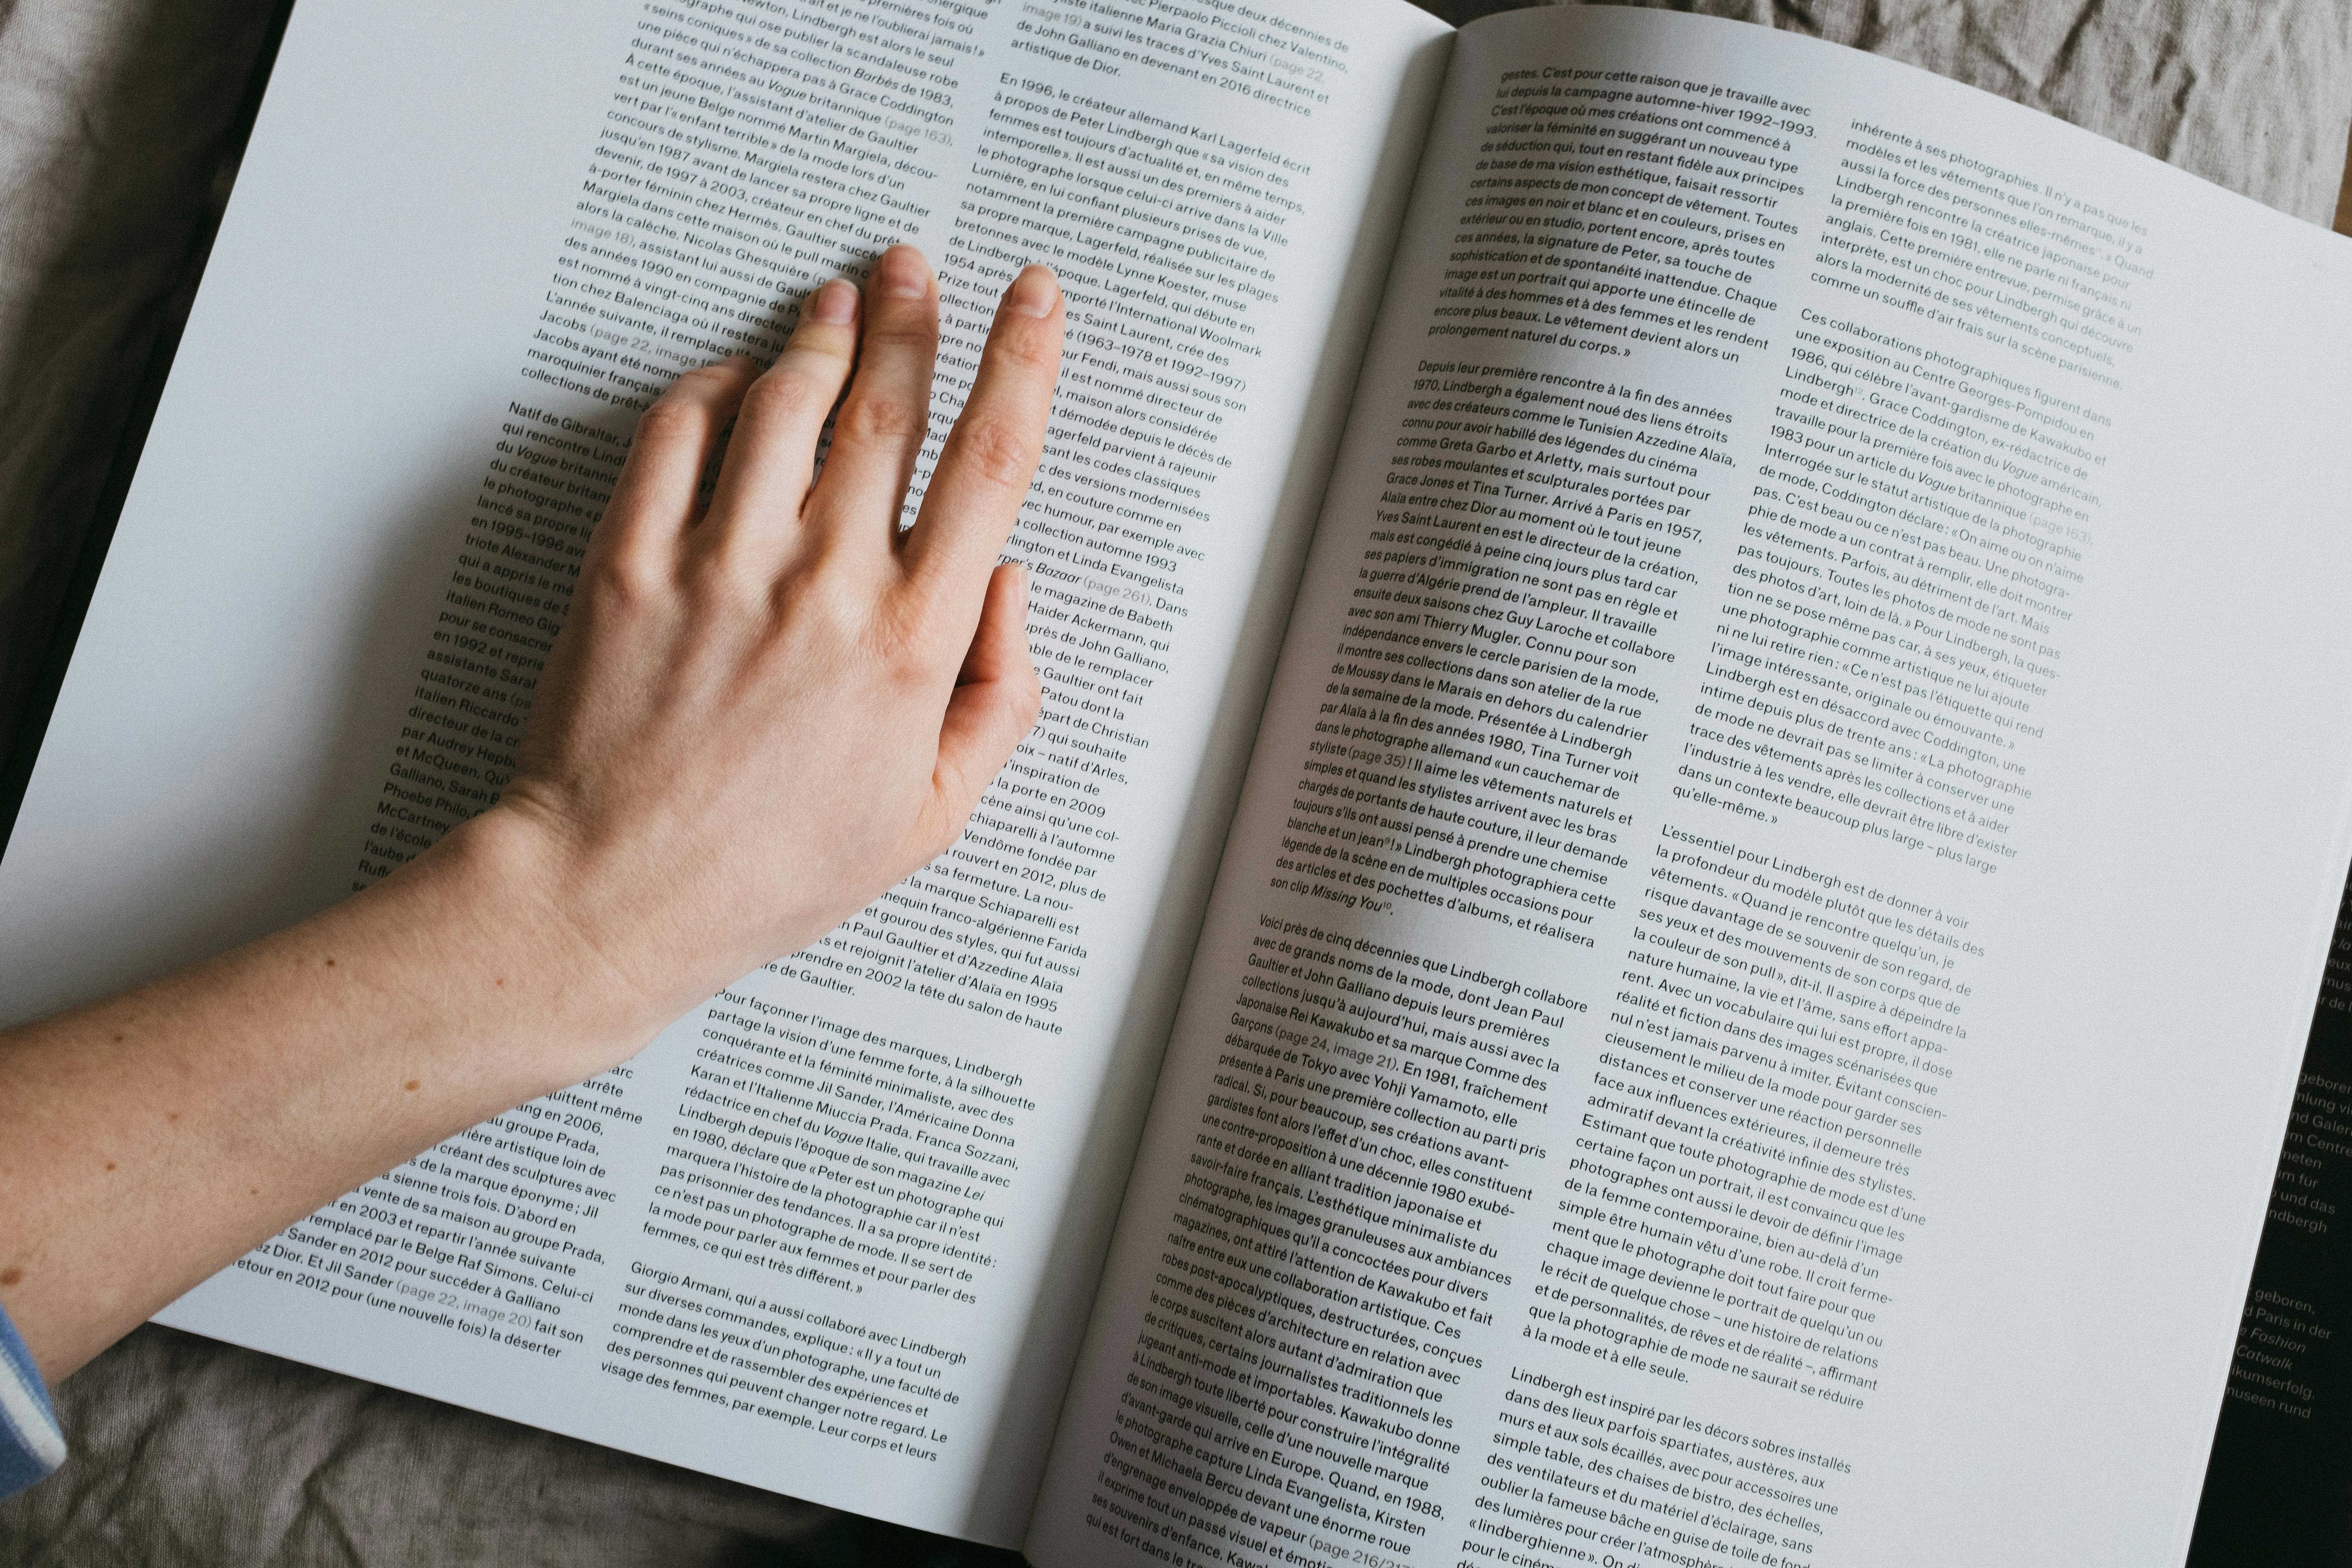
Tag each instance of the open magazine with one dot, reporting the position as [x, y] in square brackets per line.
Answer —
[1666, 903]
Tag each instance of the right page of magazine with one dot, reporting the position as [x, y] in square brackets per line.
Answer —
[1753, 996]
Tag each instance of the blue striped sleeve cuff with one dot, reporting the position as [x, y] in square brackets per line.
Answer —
[31, 1446]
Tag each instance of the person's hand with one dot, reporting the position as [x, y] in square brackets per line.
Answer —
[763, 713]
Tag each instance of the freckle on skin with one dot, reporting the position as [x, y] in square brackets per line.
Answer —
[413, 1085]
[110, 1165]
[173, 1116]
[11, 1275]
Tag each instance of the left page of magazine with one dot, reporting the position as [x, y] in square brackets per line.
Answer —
[836, 1232]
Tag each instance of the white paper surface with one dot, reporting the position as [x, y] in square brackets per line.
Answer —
[1365, 1303]
[417, 312]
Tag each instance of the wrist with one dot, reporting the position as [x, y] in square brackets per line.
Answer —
[549, 988]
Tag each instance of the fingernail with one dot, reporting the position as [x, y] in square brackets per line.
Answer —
[903, 274]
[835, 304]
[1034, 292]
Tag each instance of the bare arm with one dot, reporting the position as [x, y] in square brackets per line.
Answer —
[758, 719]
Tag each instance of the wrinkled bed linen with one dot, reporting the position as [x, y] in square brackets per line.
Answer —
[120, 122]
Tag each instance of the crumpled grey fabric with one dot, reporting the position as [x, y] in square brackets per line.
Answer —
[2255, 95]
[190, 1453]
[120, 122]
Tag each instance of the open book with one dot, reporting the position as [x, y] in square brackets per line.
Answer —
[1668, 897]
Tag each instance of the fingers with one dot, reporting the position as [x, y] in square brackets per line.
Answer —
[994, 704]
[984, 469]
[879, 430]
[765, 500]
[653, 500]
[772, 453]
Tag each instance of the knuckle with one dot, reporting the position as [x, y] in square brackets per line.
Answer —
[625, 583]
[700, 385]
[671, 418]
[995, 449]
[880, 419]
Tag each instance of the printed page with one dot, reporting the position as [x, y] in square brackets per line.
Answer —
[836, 1233]
[1752, 999]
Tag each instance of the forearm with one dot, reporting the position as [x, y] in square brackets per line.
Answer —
[148, 1140]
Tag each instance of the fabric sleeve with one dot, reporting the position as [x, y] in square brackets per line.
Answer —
[31, 1446]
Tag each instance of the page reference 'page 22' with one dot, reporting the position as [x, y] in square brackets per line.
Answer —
[835, 1233]
[1749, 1007]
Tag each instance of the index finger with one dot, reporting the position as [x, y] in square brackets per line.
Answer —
[984, 467]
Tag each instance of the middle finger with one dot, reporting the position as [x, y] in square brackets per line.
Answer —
[879, 431]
